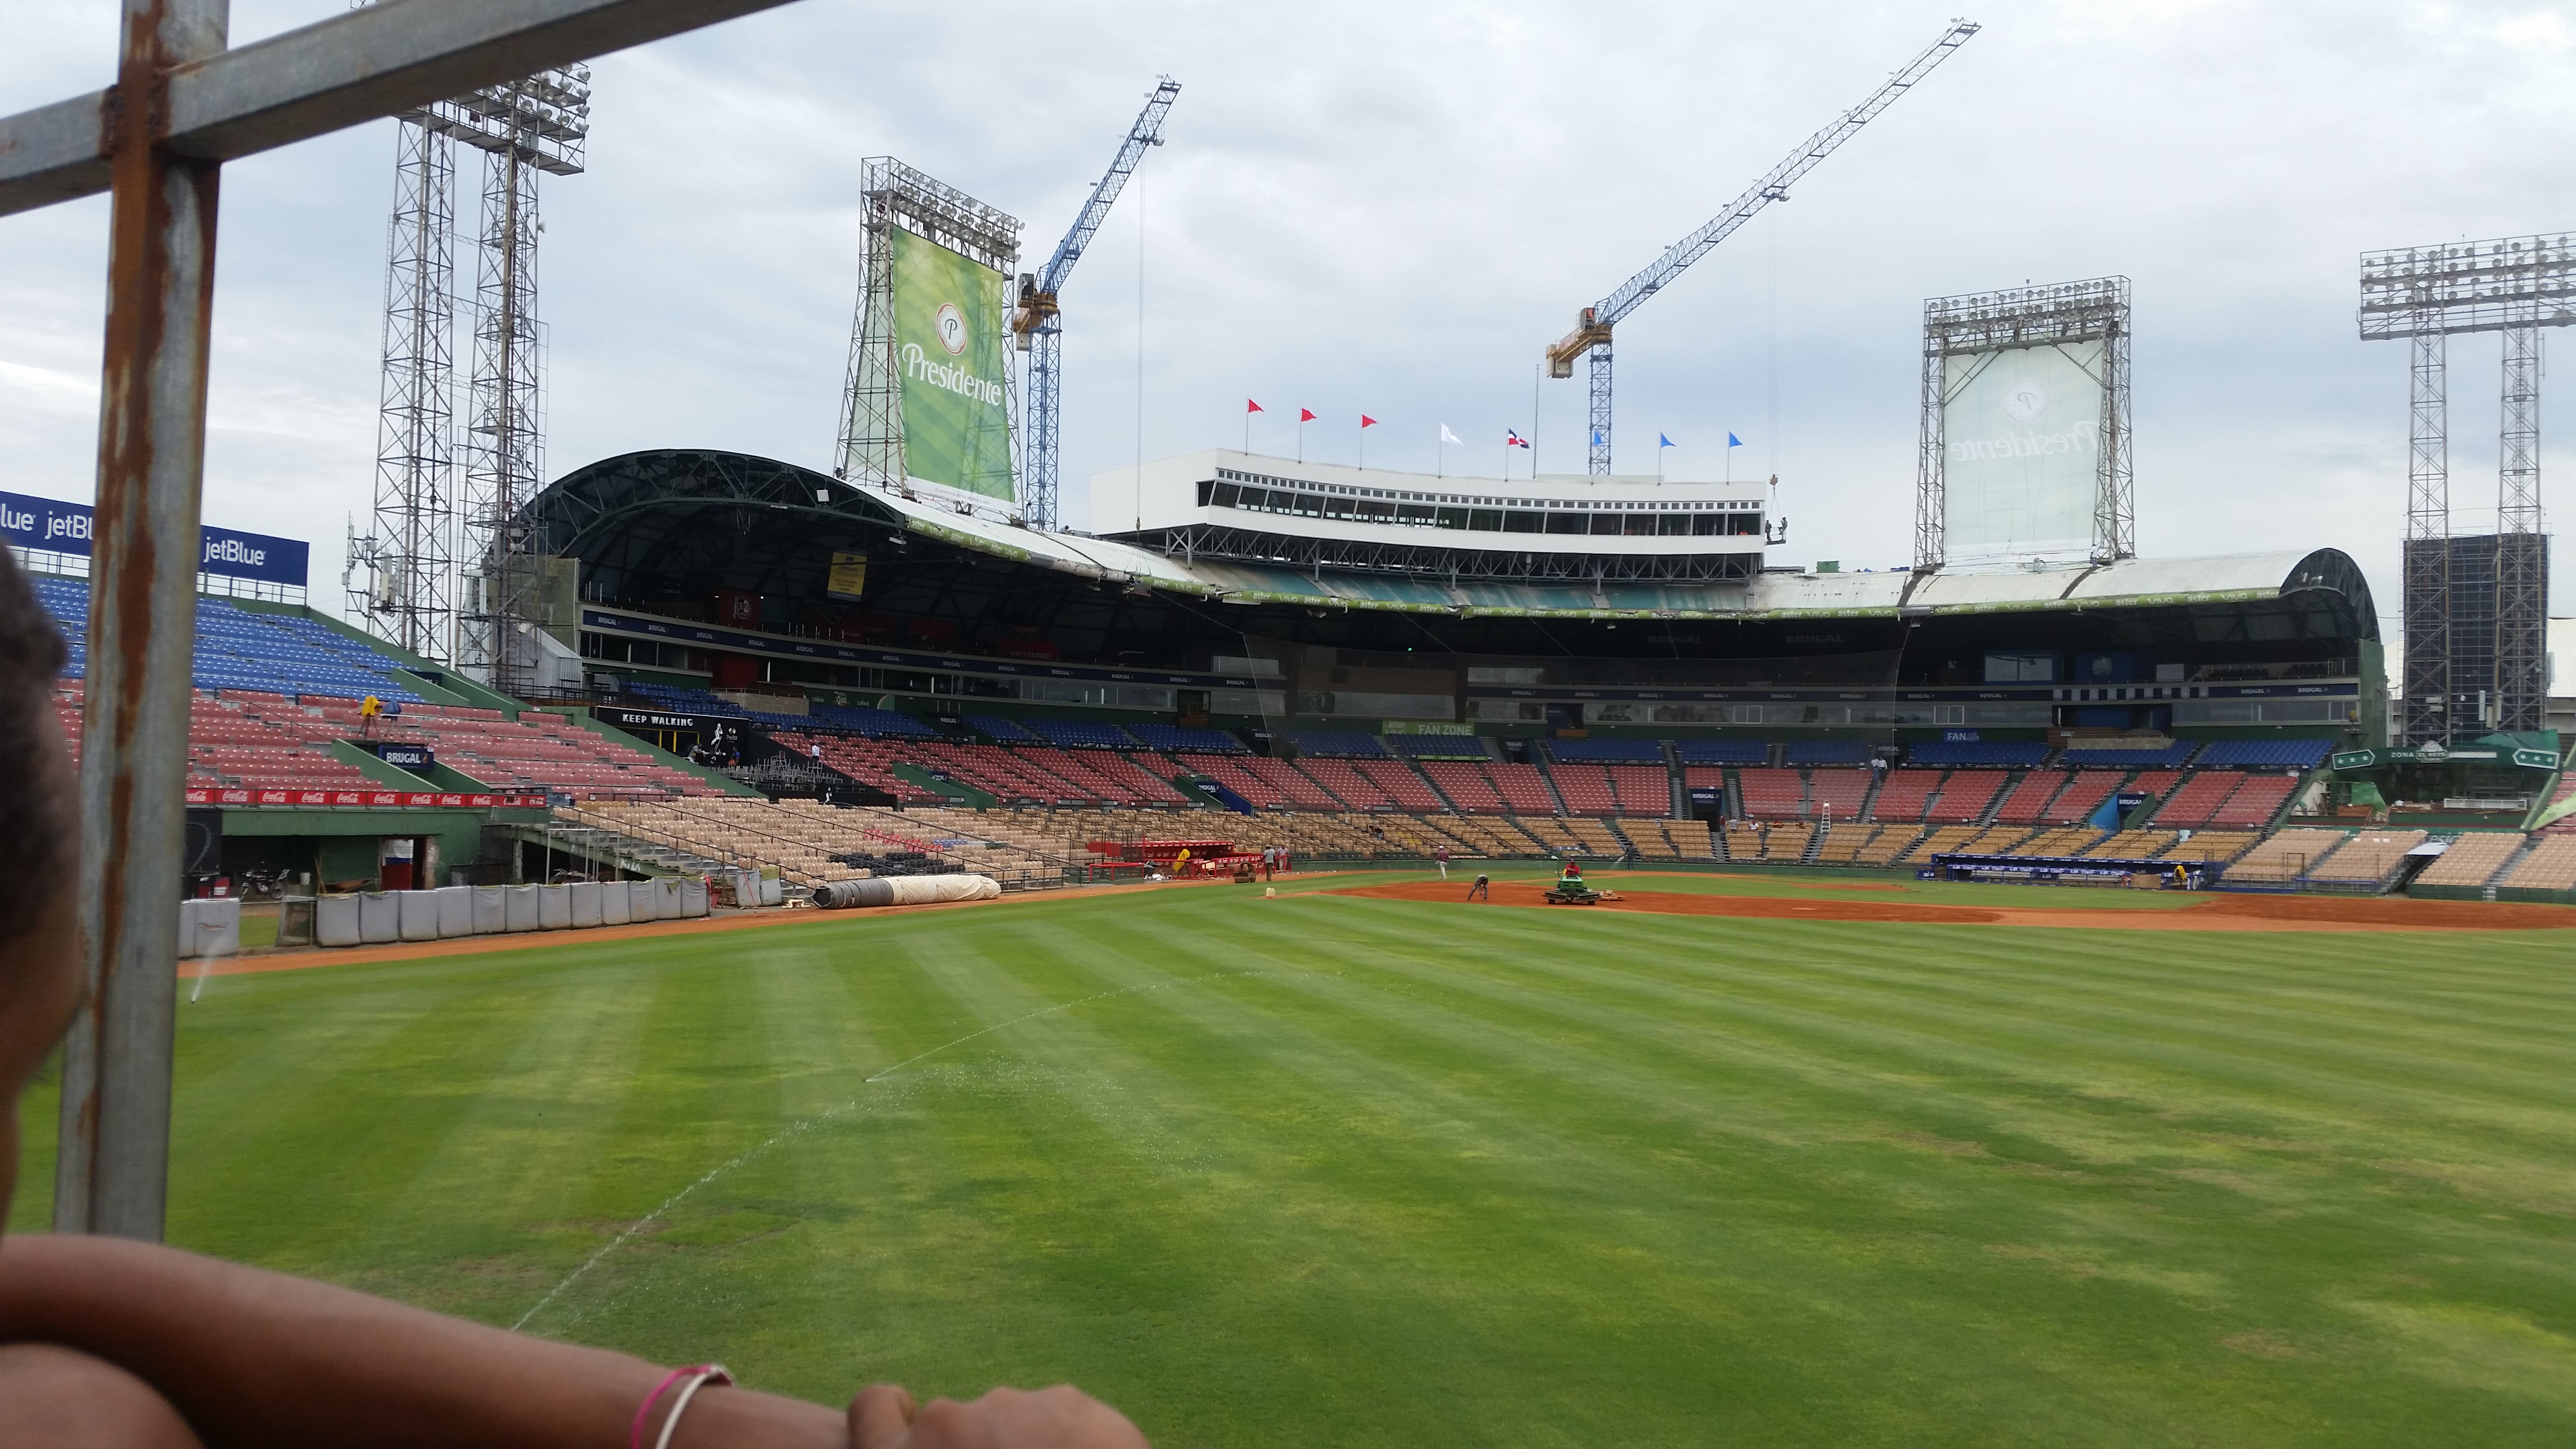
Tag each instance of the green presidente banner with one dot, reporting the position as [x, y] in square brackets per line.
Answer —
[948, 355]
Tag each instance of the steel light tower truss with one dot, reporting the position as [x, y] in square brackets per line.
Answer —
[1592, 329]
[893, 195]
[530, 128]
[2514, 286]
[2094, 310]
[409, 557]
[1038, 324]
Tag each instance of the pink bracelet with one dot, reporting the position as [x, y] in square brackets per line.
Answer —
[697, 1374]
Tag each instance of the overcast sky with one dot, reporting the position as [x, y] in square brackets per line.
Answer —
[1394, 208]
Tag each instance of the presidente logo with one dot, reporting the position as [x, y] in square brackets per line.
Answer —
[920, 366]
[2080, 437]
[951, 326]
[2025, 400]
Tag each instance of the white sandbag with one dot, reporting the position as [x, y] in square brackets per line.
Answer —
[416, 915]
[187, 928]
[693, 897]
[379, 918]
[666, 899]
[641, 898]
[335, 921]
[524, 912]
[746, 888]
[455, 911]
[554, 907]
[584, 895]
[773, 891]
[614, 898]
[491, 909]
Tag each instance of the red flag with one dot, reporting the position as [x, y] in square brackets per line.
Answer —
[1366, 421]
[1250, 406]
[1305, 416]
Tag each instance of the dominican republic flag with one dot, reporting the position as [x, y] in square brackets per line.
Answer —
[1514, 440]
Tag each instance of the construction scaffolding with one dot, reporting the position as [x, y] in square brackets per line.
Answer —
[2476, 607]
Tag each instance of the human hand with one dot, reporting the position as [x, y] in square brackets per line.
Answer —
[883, 1417]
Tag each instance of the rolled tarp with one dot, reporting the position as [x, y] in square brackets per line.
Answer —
[904, 890]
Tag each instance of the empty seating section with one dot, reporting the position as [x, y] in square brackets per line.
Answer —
[231, 744]
[1231, 773]
[1723, 752]
[538, 751]
[2256, 801]
[870, 762]
[2564, 824]
[1585, 789]
[1988, 753]
[2058, 844]
[1345, 743]
[1966, 795]
[2198, 798]
[1005, 731]
[869, 720]
[2220, 846]
[1466, 785]
[1608, 752]
[2027, 803]
[1642, 789]
[1741, 840]
[1905, 794]
[1704, 777]
[1669, 839]
[1438, 747]
[1827, 752]
[2550, 866]
[1346, 783]
[1523, 788]
[1787, 840]
[1949, 839]
[2366, 858]
[802, 837]
[2132, 845]
[2084, 754]
[1177, 737]
[1288, 780]
[2286, 856]
[1397, 779]
[2155, 784]
[2472, 860]
[247, 649]
[2082, 796]
[1772, 793]
[1838, 793]
[681, 699]
[2266, 754]
[1087, 733]
[1843, 843]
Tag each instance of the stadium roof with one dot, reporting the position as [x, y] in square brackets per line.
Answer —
[770, 527]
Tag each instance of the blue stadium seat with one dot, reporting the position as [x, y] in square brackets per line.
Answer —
[1724, 752]
[1977, 752]
[1828, 752]
[2171, 757]
[1608, 752]
[1348, 744]
[1178, 737]
[1438, 747]
[1083, 734]
[2267, 754]
[1006, 731]
[870, 721]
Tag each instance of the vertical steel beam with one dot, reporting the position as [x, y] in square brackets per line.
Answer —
[2522, 580]
[2427, 583]
[1931, 478]
[1598, 460]
[112, 1175]
[1046, 400]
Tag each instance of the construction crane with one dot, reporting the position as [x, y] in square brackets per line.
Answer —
[1591, 333]
[1040, 327]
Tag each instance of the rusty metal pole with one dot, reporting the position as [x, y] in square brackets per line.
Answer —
[112, 1174]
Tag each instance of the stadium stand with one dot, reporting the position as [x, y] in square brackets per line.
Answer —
[680, 699]
[2084, 794]
[1347, 744]
[2474, 859]
[1966, 795]
[2549, 866]
[243, 649]
[2256, 801]
[2564, 824]
[1608, 752]
[1826, 752]
[1787, 841]
[1642, 789]
[1948, 839]
[538, 751]
[1438, 747]
[1397, 780]
[1669, 839]
[811, 843]
[1002, 731]
[868, 720]
[2113, 754]
[1838, 793]
[1082, 734]
[2266, 754]
[2216, 846]
[2027, 802]
[1345, 781]
[1465, 785]
[1992, 753]
[1771, 792]
[1723, 752]
[2286, 856]
[1584, 788]
[2198, 798]
[1178, 737]
[1299, 788]
[1905, 794]
[2058, 844]
[1844, 843]
[2132, 845]
[1524, 788]
[2369, 858]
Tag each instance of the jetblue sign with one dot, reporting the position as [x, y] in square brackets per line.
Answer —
[53, 527]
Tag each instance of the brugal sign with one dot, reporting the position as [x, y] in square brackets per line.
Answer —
[55, 527]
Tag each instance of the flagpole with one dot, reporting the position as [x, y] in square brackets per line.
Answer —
[1533, 437]
[1247, 430]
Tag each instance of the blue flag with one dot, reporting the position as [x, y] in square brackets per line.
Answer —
[1596, 439]
[1663, 440]
[1733, 441]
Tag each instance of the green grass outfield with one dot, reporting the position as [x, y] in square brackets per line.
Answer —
[1324, 1170]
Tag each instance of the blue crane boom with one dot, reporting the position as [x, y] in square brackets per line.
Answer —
[1039, 326]
[1592, 328]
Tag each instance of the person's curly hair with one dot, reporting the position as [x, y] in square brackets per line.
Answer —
[37, 844]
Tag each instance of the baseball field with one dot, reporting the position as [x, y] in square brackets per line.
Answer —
[1390, 1168]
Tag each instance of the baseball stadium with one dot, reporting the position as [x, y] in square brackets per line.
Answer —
[1339, 955]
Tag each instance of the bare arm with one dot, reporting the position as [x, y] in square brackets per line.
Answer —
[250, 1357]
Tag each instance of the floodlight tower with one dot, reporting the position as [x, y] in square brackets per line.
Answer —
[1591, 334]
[1039, 327]
[2476, 608]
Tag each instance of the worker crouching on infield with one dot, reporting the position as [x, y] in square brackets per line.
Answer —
[1482, 890]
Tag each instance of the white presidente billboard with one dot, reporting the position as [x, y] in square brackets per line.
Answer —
[2021, 451]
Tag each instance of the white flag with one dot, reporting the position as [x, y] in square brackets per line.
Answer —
[1447, 436]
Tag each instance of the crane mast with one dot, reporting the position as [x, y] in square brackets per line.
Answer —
[1593, 325]
[1038, 325]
